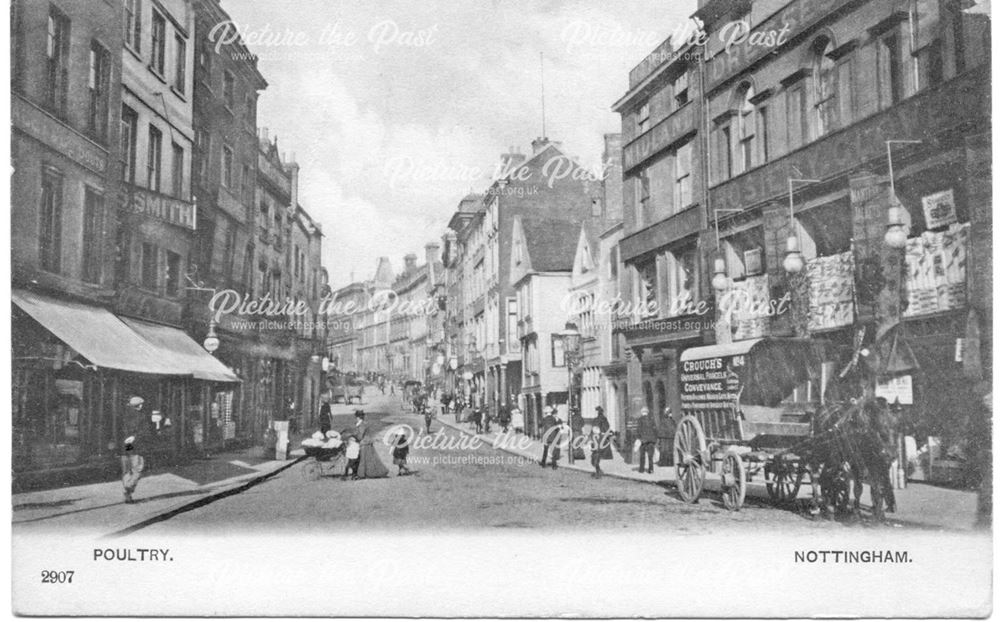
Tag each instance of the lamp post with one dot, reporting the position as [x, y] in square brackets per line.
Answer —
[571, 349]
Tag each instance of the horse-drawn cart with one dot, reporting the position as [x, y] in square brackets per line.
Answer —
[742, 417]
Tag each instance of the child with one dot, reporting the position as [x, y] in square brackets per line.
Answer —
[353, 454]
[400, 450]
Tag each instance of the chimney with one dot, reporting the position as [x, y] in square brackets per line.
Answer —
[510, 161]
[539, 144]
[410, 262]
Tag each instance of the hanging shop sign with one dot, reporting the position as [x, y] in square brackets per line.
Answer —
[939, 209]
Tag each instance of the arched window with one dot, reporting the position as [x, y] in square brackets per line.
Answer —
[825, 80]
[747, 128]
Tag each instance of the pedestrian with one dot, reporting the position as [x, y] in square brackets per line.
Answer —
[549, 429]
[369, 464]
[430, 413]
[137, 434]
[505, 417]
[517, 419]
[353, 454]
[669, 432]
[324, 415]
[477, 419]
[400, 451]
[600, 442]
[560, 436]
[648, 435]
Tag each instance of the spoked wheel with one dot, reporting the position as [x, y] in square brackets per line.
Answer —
[689, 459]
[734, 481]
[312, 470]
[785, 481]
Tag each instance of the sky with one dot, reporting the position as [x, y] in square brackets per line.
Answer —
[395, 110]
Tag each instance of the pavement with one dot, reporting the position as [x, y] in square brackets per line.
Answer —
[160, 493]
[919, 505]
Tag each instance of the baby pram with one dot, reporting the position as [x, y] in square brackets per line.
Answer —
[326, 453]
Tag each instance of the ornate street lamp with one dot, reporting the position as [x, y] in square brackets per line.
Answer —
[211, 343]
[571, 349]
[895, 231]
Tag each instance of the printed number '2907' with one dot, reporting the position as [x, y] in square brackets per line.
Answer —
[57, 576]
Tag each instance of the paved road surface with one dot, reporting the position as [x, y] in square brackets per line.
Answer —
[470, 489]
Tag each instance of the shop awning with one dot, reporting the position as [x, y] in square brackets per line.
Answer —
[768, 369]
[183, 351]
[96, 333]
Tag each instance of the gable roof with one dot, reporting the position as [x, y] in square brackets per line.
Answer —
[550, 243]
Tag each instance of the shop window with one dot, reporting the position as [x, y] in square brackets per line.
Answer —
[825, 230]
[745, 253]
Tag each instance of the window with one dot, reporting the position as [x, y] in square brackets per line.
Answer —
[57, 59]
[228, 89]
[203, 143]
[747, 124]
[680, 89]
[154, 159]
[795, 101]
[98, 86]
[558, 351]
[646, 305]
[642, 118]
[825, 71]
[680, 280]
[642, 197]
[227, 166]
[737, 245]
[763, 132]
[845, 90]
[513, 343]
[177, 174]
[724, 149]
[682, 176]
[149, 270]
[130, 121]
[229, 252]
[93, 218]
[249, 109]
[173, 276]
[159, 43]
[180, 63]
[133, 24]
[890, 69]
[613, 267]
[248, 269]
[247, 181]
[926, 31]
[50, 217]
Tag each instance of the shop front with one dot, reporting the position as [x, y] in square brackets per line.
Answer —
[74, 367]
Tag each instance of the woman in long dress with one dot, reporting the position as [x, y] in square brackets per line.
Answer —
[369, 464]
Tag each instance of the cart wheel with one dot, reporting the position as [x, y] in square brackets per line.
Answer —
[312, 470]
[785, 481]
[734, 481]
[689, 458]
